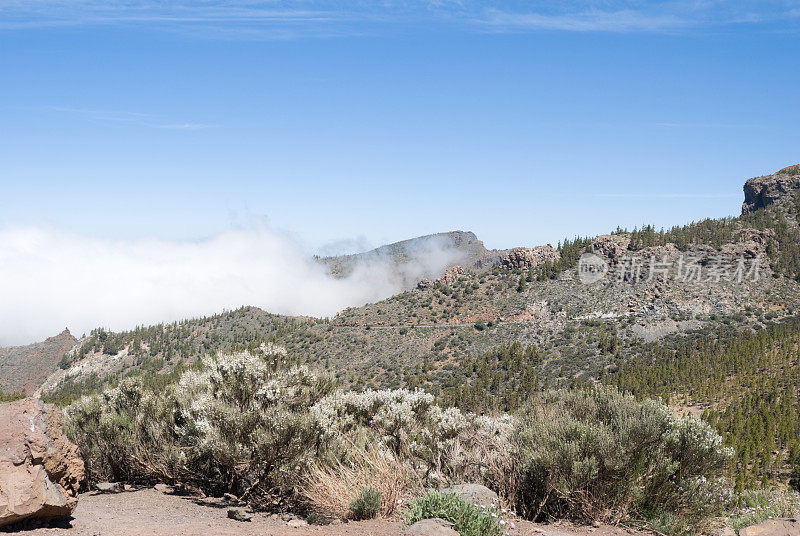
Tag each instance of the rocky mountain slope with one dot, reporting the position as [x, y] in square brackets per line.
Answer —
[582, 315]
[418, 258]
[648, 286]
[24, 368]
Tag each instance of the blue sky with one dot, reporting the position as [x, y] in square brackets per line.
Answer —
[351, 124]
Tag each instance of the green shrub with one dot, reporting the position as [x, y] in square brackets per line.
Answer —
[241, 424]
[10, 397]
[794, 479]
[366, 505]
[598, 454]
[467, 519]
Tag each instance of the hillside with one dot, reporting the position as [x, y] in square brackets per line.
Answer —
[24, 368]
[661, 310]
[735, 272]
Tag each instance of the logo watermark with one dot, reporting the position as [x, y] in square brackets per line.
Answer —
[686, 268]
[591, 268]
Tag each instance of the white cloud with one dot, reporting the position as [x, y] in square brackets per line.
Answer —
[591, 21]
[51, 279]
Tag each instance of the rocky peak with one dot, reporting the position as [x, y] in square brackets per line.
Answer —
[65, 335]
[760, 192]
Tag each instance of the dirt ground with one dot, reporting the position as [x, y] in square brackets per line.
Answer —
[148, 512]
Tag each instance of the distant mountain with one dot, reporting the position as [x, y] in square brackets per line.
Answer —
[24, 368]
[706, 315]
[485, 299]
[424, 257]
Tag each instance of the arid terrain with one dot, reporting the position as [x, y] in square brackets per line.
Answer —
[147, 512]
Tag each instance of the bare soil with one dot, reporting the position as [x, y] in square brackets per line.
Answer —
[148, 512]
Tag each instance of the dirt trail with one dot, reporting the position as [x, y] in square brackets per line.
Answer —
[148, 512]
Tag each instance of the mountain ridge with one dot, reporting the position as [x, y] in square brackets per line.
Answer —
[531, 296]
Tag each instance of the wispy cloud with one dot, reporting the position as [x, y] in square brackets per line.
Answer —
[590, 21]
[291, 19]
[706, 125]
[131, 118]
[665, 196]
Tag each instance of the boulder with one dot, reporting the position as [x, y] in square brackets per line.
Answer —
[239, 514]
[164, 488]
[40, 470]
[431, 527]
[773, 527]
[109, 487]
[297, 523]
[474, 493]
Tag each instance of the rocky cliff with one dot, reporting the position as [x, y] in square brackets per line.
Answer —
[779, 187]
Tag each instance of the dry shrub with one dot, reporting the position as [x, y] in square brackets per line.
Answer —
[484, 453]
[331, 488]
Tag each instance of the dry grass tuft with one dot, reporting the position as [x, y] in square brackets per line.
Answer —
[331, 489]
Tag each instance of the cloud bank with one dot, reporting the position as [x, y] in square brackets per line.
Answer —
[50, 279]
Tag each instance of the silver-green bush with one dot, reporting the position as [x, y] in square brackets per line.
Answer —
[600, 454]
[240, 424]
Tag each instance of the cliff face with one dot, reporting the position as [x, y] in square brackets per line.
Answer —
[760, 192]
[24, 368]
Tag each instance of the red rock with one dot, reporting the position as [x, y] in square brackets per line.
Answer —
[40, 470]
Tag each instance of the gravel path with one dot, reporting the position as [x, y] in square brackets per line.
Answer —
[147, 512]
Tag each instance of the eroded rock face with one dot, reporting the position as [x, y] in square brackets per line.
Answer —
[760, 192]
[527, 258]
[40, 470]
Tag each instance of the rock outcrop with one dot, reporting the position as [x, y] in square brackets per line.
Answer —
[773, 527]
[527, 258]
[477, 494]
[760, 192]
[40, 470]
[612, 246]
[451, 275]
[424, 283]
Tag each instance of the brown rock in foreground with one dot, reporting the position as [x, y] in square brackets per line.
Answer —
[773, 527]
[40, 470]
